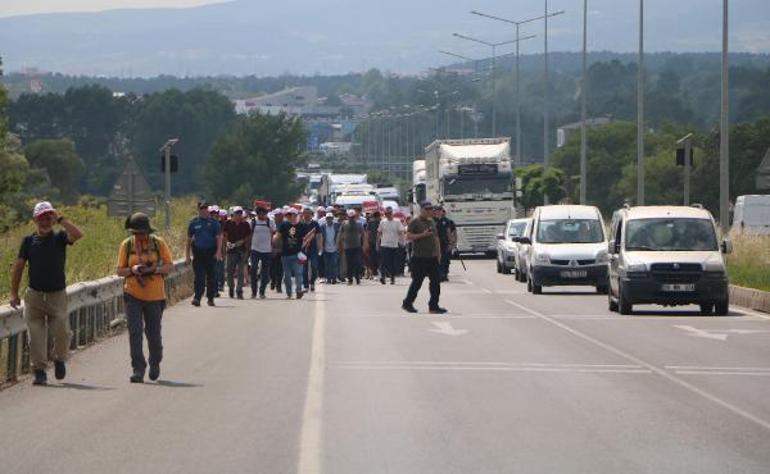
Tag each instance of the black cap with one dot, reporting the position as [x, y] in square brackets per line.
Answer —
[426, 205]
[203, 204]
[139, 222]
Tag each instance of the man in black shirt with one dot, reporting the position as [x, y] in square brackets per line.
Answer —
[294, 237]
[447, 236]
[45, 302]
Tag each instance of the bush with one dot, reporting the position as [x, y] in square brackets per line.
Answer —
[749, 264]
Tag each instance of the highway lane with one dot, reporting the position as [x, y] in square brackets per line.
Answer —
[344, 382]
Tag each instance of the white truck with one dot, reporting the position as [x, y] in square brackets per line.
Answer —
[417, 194]
[473, 179]
[332, 185]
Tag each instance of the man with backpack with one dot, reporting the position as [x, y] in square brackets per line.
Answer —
[262, 230]
[45, 302]
[204, 244]
[144, 260]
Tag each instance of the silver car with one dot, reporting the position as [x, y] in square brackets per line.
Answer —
[509, 251]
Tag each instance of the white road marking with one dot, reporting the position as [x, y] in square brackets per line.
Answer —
[749, 312]
[455, 316]
[487, 291]
[657, 370]
[447, 329]
[695, 332]
[310, 438]
[492, 367]
[706, 372]
[701, 367]
[701, 370]
[502, 364]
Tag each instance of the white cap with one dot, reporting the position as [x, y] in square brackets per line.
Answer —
[41, 208]
[291, 210]
[321, 209]
[222, 213]
[351, 213]
[328, 215]
[278, 212]
[214, 208]
[237, 209]
[330, 209]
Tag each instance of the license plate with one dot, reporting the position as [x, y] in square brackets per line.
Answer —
[679, 287]
[574, 274]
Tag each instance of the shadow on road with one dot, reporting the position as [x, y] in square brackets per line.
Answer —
[171, 383]
[78, 386]
[683, 314]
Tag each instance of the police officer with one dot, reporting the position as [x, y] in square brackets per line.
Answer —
[447, 232]
[204, 248]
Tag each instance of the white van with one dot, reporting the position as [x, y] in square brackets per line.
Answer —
[752, 214]
[667, 255]
[567, 246]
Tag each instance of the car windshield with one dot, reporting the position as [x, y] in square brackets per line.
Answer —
[516, 229]
[570, 231]
[670, 235]
[477, 185]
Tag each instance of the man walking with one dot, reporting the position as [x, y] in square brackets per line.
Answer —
[389, 236]
[276, 265]
[237, 237]
[425, 260]
[372, 233]
[143, 260]
[204, 244]
[293, 238]
[311, 267]
[45, 301]
[353, 242]
[447, 236]
[262, 230]
[329, 234]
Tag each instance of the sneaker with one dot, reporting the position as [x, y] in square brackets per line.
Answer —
[288, 296]
[300, 294]
[382, 280]
[211, 302]
[231, 292]
[40, 377]
[358, 281]
[60, 370]
[137, 377]
[437, 310]
[253, 296]
[392, 281]
[262, 295]
[409, 308]
[196, 302]
[154, 372]
[240, 296]
[312, 287]
[350, 282]
[278, 290]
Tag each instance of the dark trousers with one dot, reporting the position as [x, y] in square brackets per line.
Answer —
[422, 267]
[311, 268]
[276, 272]
[204, 268]
[446, 253]
[353, 257]
[264, 262]
[389, 267]
[331, 262]
[144, 316]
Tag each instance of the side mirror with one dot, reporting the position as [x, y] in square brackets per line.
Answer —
[523, 240]
[726, 247]
[500, 237]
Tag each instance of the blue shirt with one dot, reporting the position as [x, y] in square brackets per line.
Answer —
[204, 233]
[330, 236]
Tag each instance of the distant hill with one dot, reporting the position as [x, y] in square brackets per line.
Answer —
[331, 36]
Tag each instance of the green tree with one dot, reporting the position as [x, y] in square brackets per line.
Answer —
[14, 170]
[61, 163]
[257, 159]
[538, 182]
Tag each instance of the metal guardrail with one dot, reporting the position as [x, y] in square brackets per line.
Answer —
[95, 309]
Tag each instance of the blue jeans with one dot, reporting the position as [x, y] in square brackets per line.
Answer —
[330, 266]
[291, 268]
[263, 261]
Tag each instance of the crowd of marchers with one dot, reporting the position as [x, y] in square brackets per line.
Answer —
[289, 248]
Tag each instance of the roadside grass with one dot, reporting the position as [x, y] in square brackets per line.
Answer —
[95, 255]
[749, 264]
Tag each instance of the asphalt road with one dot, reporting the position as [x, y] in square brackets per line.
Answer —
[344, 382]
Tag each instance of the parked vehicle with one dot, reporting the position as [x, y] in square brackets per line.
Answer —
[567, 246]
[668, 256]
[418, 192]
[332, 185]
[507, 249]
[752, 214]
[389, 193]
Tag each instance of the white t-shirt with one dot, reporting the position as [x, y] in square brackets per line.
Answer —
[391, 233]
[262, 235]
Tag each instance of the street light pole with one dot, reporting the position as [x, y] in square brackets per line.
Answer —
[640, 113]
[724, 130]
[166, 149]
[583, 112]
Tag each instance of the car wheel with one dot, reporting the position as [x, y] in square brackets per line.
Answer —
[602, 289]
[624, 306]
[722, 308]
[706, 309]
[506, 270]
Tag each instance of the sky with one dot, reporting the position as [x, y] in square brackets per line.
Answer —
[26, 7]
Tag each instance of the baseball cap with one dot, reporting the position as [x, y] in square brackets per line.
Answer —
[330, 209]
[328, 215]
[320, 209]
[426, 205]
[278, 212]
[222, 213]
[307, 209]
[291, 210]
[237, 209]
[43, 207]
[351, 213]
[203, 205]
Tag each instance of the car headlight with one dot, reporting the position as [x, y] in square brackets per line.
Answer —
[715, 268]
[542, 258]
[602, 257]
[636, 270]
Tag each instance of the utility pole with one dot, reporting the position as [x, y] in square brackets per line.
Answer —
[583, 112]
[640, 113]
[166, 150]
[724, 127]
[687, 142]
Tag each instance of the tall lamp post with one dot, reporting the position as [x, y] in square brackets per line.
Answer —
[166, 150]
[517, 24]
[724, 130]
[584, 112]
[640, 113]
[494, 47]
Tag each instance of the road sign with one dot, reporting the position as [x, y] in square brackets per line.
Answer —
[131, 193]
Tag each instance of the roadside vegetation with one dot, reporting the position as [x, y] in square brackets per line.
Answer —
[95, 256]
[749, 264]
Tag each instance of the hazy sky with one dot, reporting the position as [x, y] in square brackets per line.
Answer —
[24, 7]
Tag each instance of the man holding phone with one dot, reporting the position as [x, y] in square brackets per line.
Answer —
[426, 251]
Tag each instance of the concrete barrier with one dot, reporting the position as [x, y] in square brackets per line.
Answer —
[96, 309]
[750, 298]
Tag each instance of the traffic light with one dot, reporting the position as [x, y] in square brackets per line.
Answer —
[174, 163]
[680, 157]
